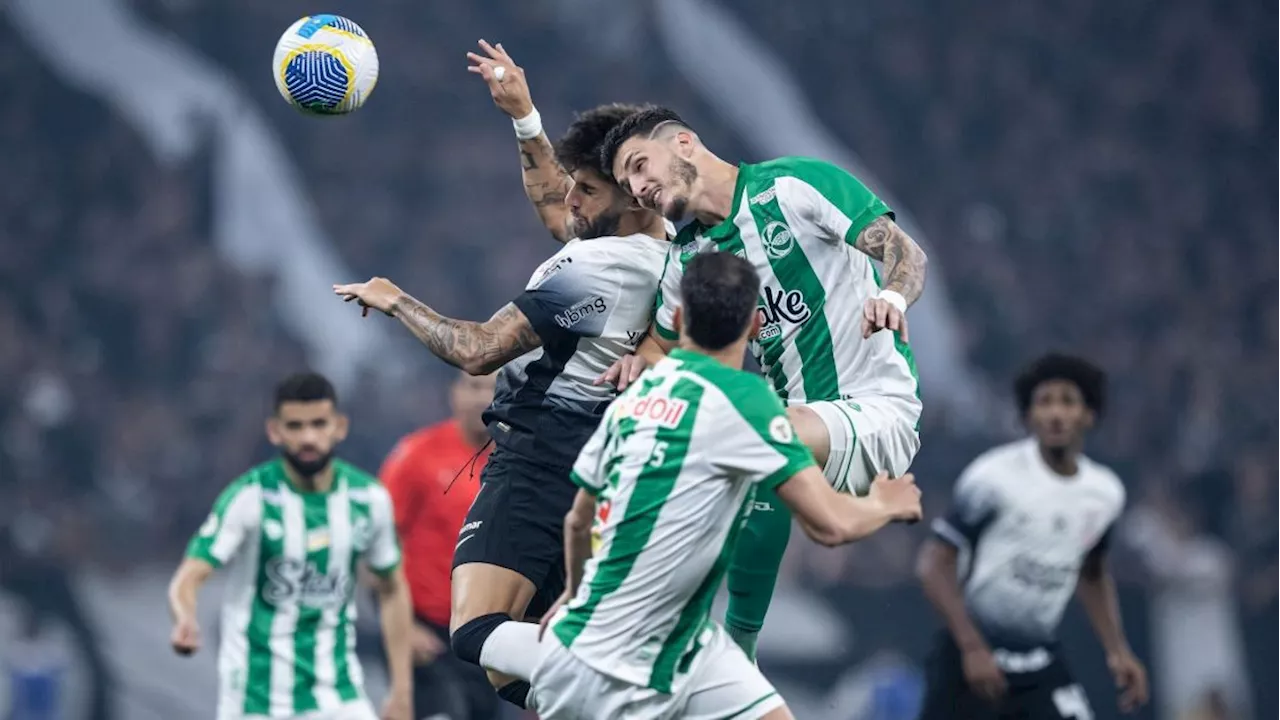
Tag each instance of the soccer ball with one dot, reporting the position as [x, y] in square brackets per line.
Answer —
[326, 65]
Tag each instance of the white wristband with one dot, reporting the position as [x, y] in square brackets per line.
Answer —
[894, 298]
[529, 126]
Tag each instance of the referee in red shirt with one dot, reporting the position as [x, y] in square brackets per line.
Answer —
[433, 475]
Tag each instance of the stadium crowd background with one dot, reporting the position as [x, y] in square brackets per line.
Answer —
[1091, 176]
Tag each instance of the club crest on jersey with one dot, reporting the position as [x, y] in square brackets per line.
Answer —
[666, 412]
[778, 240]
[780, 429]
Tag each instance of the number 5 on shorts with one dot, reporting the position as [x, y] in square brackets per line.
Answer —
[1071, 702]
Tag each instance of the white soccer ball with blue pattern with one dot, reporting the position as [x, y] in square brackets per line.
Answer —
[326, 65]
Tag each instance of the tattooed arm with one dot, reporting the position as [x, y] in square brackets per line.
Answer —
[546, 184]
[904, 260]
[477, 348]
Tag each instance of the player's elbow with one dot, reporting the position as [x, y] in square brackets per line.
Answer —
[477, 366]
[823, 530]
[933, 560]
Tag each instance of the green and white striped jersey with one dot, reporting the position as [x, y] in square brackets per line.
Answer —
[288, 638]
[675, 463]
[796, 219]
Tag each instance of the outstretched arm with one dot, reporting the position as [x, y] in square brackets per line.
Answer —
[478, 348]
[904, 261]
[546, 183]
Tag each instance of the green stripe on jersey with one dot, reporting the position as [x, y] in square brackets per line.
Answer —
[653, 486]
[813, 343]
[344, 645]
[315, 516]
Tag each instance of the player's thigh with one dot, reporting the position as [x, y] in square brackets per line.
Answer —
[946, 693]
[1051, 694]
[812, 430]
[565, 688]
[725, 684]
[865, 437]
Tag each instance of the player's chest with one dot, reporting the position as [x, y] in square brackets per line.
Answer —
[1066, 525]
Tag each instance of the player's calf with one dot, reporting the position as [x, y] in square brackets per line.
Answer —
[487, 600]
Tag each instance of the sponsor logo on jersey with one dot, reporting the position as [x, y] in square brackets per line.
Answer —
[779, 306]
[290, 580]
[778, 240]
[780, 429]
[580, 311]
[666, 412]
[635, 336]
[764, 197]
[317, 539]
[602, 517]
[549, 268]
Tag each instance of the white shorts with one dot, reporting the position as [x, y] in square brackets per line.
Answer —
[355, 710]
[868, 435]
[722, 684]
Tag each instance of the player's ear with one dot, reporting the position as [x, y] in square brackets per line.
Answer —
[754, 331]
[273, 431]
[1089, 419]
[341, 425]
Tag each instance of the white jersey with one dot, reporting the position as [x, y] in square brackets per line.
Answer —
[795, 220]
[288, 620]
[1024, 532]
[673, 465]
[590, 304]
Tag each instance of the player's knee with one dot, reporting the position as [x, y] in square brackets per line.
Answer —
[480, 589]
[812, 431]
[468, 639]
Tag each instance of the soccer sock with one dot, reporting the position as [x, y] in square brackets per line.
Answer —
[516, 693]
[754, 569]
[512, 649]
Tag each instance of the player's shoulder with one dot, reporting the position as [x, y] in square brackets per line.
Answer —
[263, 476]
[997, 464]
[630, 253]
[1103, 479]
[810, 170]
[355, 477]
[730, 389]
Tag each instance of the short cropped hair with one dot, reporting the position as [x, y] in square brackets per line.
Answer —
[1086, 376]
[719, 292]
[579, 149]
[305, 387]
[640, 123]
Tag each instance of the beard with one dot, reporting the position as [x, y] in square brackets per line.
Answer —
[683, 174]
[606, 223]
[307, 468]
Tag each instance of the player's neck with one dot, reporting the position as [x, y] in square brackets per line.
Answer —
[1064, 461]
[719, 182]
[730, 356]
[321, 482]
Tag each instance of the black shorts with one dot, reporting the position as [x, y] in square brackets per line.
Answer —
[517, 522]
[1047, 693]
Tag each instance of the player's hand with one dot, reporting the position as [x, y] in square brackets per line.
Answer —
[983, 674]
[424, 645]
[511, 91]
[879, 314]
[900, 497]
[398, 706]
[623, 372]
[1131, 680]
[185, 637]
[379, 294]
[551, 612]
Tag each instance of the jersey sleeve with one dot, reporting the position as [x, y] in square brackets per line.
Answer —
[766, 449]
[668, 298]
[588, 471]
[397, 475]
[834, 204]
[974, 506]
[236, 513]
[383, 553]
[573, 294]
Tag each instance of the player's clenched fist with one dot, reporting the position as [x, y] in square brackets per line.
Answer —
[898, 496]
[185, 637]
[507, 86]
[379, 293]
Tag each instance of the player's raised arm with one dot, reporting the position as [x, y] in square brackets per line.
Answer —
[830, 518]
[546, 182]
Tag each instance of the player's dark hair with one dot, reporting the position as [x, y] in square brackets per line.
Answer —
[579, 149]
[1091, 380]
[305, 387]
[640, 123]
[719, 292]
